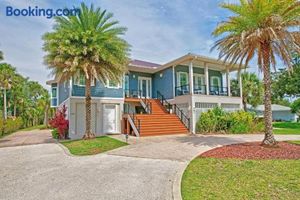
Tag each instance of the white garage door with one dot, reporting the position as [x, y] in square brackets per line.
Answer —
[109, 118]
[80, 118]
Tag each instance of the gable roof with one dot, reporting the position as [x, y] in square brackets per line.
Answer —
[144, 64]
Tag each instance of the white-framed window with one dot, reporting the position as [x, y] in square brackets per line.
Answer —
[54, 96]
[215, 81]
[79, 80]
[113, 84]
[199, 80]
[182, 78]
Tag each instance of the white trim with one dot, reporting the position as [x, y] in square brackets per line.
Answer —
[119, 85]
[51, 97]
[173, 71]
[206, 73]
[99, 98]
[191, 74]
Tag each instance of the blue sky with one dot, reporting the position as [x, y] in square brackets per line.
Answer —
[158, 30]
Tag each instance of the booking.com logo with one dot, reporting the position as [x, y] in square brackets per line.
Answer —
[41, 12]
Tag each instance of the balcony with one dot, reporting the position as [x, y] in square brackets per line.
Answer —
[201, 89]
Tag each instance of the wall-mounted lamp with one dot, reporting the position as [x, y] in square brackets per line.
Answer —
[161, 75]
[133, 76]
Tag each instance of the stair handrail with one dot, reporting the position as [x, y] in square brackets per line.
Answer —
[135, 120]
[180, 114]
[148, 105]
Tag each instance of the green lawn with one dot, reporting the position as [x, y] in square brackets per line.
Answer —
[286, 128]
[294, 142]
[93, 146]
[33, 128]
[210, 178]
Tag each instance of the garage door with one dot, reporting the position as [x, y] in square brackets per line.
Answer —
[109, 118]
[80, 118]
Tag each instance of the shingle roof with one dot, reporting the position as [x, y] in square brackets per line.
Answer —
[275, 107]
[145, 64]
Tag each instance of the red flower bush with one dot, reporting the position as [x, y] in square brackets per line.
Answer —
[60, 122]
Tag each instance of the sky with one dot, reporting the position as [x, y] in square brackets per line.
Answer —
[158, 30]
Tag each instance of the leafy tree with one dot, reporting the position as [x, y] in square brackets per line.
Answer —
[252, 89]
[285, 83]
[263, 28]
[295, 106]
[1, 55]
[88, 44]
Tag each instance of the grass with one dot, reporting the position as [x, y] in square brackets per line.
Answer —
[292, 128]
[210, 178]
[33, 128]
[294, 142]
[92, 146]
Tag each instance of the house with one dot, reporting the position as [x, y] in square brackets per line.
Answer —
[279, 112]
[153, 99]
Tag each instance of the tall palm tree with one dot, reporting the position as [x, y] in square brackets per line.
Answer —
[88, 44]
[252, 90]
[267, 29]
[7, 76]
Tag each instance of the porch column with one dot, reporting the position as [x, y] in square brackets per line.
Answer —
[228, 82]
[240, 83]
[206, 78]
[191, 81]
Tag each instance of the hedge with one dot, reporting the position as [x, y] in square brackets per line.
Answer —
[10, 125]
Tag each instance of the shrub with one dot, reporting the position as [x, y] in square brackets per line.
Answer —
[10, 125]
[60, 123]
[217, 120]
[55, 134]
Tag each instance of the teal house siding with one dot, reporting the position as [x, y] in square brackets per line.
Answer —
[198, 70]
[63, 92]
[134, 77]
[163, 84]
[99, 90]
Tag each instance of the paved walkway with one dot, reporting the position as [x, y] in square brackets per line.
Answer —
[148, 169]
[27, 138]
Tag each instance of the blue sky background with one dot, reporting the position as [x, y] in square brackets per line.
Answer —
[158, 30]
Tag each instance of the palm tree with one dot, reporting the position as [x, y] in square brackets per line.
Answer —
[7, 75]
[252, 89]
[89, 44]
[263, 28]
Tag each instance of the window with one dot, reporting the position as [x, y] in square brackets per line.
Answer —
[215, 81]
[80, 80]
[112, 84]
[199, 80]
[54, 98]
[182, 78]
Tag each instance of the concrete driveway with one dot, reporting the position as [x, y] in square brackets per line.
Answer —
[27, 138]
[148, 169]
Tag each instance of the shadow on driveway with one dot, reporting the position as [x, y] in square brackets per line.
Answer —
[27, 138]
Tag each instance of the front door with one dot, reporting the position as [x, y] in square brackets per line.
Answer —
[109, 118]
[145, 87]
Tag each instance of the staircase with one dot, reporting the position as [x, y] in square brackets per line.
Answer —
[159, 121]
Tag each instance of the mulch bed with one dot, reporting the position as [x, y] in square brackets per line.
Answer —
[254, 150]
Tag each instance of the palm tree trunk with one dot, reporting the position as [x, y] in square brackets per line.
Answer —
[4, 105]
[244, 103]
[269, 137]
[15, 109]
[88, 115]
[46, 116]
